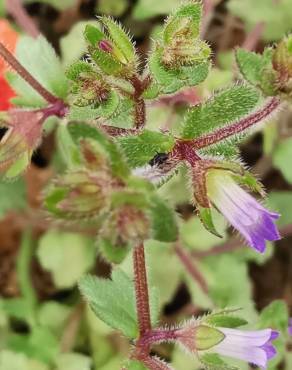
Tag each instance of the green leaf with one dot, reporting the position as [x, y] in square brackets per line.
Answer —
[195, 236]
[114, 8]
[281, 202]
[73, 45]
[275, 316]
[57, 248]
[120, 39]
[135, 365]
[13, 361]
[276, 17]
[215, 362]
[39, 344]
[164, 224]
[281, 158]
[140, 149]
[73, 361]
[69, 151]
[79, 131]
[251, 65]
[113, 301]
[23, 268]
[172, 80]
[106, 62]
[93, 34]
[54, 316]
[15, 196]
[189, 11]
[225, 321]
[59, 5]
[40, 59]
[112, 253]
[237, 102]
[145, 9]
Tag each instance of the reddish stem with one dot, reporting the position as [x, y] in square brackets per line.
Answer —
[13, 62]
[191, 267]
[141, 290]
[118, 131]
[18, 12]
[154, 363]
[184, 151]
[140, 109]
[158, 336]
[223, 133]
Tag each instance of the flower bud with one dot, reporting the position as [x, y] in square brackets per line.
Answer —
[126, 225]
[22, 137]
[82, 195]
[196, 337]
[282, 64]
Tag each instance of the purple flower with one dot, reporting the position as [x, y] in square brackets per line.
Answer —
[290, 327]
[244, 213]
[254, 347]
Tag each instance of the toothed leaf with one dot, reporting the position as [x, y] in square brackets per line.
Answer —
[120, 38]
[250, 65]
[75, 69]
[113, 301]
[140, 149]
[222, 109]
[93, 35]
[40, 59]
[106, 62]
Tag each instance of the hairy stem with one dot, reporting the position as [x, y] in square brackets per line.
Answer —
[13, 62]
[21, 17]
[140, 109]
[191, 267]
[141, 290]
[118, 131]
[270, 107]
[154, 363]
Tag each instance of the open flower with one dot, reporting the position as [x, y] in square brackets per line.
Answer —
[244, 213]
[254, 347]
[290, 327]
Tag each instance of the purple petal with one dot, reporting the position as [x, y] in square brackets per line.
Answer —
[290, 327]
[247, 338]
[253, 355]
[274, 335]
[270, 350]
[245, 214]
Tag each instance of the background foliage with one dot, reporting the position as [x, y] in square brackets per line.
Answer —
[44, 323]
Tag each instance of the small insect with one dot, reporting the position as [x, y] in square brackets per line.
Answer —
[159, 159]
